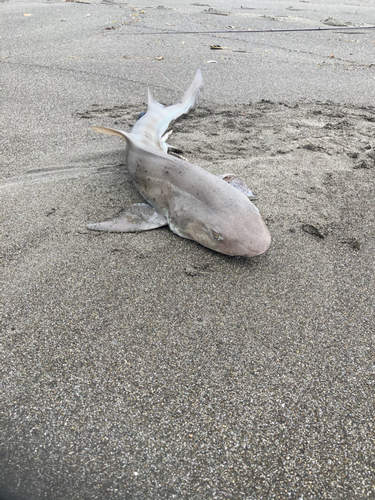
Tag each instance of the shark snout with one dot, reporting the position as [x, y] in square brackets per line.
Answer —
[247, 240]
[258, 245]
[247, 245]
[255, 239]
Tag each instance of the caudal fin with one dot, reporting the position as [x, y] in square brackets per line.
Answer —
[190, 98]
[156, 121]
[188, 101]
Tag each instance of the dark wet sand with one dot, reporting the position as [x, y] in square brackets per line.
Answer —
[143, 365]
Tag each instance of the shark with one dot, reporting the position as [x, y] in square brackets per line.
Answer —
[212, 210]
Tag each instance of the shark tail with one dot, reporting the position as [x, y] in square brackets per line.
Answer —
[151, 126]
[190, 98]
[158, 117]
[188, 101]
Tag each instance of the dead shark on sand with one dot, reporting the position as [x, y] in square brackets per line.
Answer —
[214, 211]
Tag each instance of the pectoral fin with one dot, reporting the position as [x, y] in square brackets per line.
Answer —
[237, 183]
[137, 217]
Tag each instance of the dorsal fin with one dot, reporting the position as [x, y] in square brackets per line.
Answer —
[152, 101]
[110, 131]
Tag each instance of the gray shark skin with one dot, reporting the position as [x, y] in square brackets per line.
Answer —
[214, 211]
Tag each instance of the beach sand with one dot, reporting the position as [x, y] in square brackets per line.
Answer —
[145, 365]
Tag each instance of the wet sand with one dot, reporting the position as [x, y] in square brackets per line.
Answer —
[145, 365]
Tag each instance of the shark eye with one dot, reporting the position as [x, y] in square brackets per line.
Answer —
[216, 235]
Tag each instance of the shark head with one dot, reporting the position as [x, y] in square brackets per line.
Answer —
[243, 235]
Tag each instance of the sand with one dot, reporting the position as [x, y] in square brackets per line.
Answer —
[145, 365]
